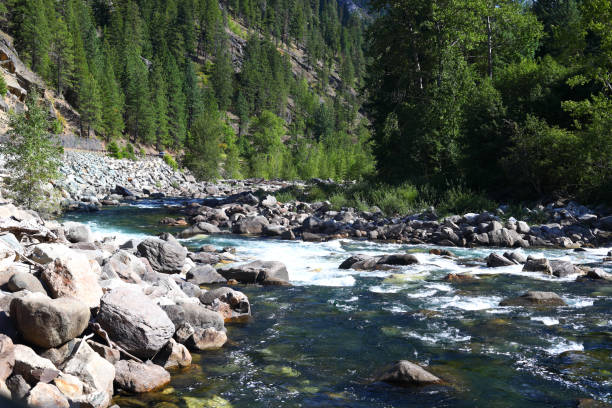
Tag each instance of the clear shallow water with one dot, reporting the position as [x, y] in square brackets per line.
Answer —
[318, 343]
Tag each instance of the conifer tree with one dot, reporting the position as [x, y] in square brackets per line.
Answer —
[112, 100]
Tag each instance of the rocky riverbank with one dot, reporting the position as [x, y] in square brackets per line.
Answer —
[569, 225]
[82, 319]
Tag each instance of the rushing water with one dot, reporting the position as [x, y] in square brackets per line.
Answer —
[318, 343]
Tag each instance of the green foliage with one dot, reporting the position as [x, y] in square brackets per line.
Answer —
[459, 200]
[113, 150]
[32, 157]
[169, 160]
[3, 88]
[126, 152]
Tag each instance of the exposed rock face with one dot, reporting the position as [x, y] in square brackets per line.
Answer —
[47, 322]
[164, 256]
[72, 276]
[263, 272]
[134, 321]
[535, 298]
[405, 373]
[95, 372]
[46, 396]
[140, 377]
[563, 268]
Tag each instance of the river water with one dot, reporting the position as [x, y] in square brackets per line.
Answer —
[319, 342]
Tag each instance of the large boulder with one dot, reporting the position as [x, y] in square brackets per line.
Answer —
[195, 315]
[134, 321]
[398, 260]
[138, 377]
[199, 228]
[7, 357]
[95, 372]
[31, 366]
[563, 268]
[25, 281]
[45, 253]
[164, 256]
[534, 298]
[207, 339]
[357, 260]
[405, 373]
[250, 225]
[263, 272]
[73, 276]
[125, 266]
[76, 232]
[46, 396]
[204, 275]
[46, 322]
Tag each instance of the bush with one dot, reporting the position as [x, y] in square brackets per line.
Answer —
[113, 150]
[3, 88]
[170, 161]
[460, 200]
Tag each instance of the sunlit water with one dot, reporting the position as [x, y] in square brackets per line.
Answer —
[318, 343]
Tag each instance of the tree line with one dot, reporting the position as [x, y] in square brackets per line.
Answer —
[165, 73]
[506, 97]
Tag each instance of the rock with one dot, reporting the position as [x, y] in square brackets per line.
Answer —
[134, 321]
[47, 322]
[46, 396]
[173, 355]
[59, 354]
[18, 387]
[125, 266]
[73, 277]
[76, 232]
[164, 256]
[442, 252]
[138, 377]
[45, 253]
[405, 373]
[263, 272]
[231, 304]
[250, 225]
[398, 259]
[495, 261]
[522, 227]
[598, 274]
[7, 357]
[32, 367]
[537, 265]
[95, 372]
[535, 298]
[183, 332]
[563, 268]
[515, 256]
[458, 277]
[69, 385]
[195, 315]
[204, 275]
[605, 223]
[349, 262]
[269, 201]
[207, 339]
[25, 281]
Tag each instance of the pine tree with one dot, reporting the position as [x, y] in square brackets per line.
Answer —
[32, 34]
[222, 75]
[112, 100]
[62, 55]
[160, 104]
[138, 110]
[176, 104]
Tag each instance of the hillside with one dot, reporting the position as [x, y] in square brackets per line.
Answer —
[248, 89]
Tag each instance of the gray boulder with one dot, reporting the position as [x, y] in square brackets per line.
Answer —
[250, 225]
[138, 377]
[404, 373]
[76, 232]
[263, 272]
[204, 275]
[496, 261]
[134, 321]
[173, 355]
[195, 315]
[25, 281]
[563, 268]
[534, 298]
[32, 367]
[46, 322]
[95, 372]
[46, 396]
[125, 266]
[7, 357]
[233, 305]
[537, 265]
[515, 256]
[164, 256]
[398, 260]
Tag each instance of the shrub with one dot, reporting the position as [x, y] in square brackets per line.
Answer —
[170, 161]
[460, 200]
[113, 150]
[3, 88]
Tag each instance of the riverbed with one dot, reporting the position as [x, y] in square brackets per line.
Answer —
[319, 342]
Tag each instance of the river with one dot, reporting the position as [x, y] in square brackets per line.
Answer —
[318, 343]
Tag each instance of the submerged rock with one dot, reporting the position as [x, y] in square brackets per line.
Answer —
[405, 373]
[535, 298]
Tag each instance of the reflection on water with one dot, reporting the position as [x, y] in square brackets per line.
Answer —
[317, 343]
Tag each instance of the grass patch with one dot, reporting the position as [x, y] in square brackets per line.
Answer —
[237, 29]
